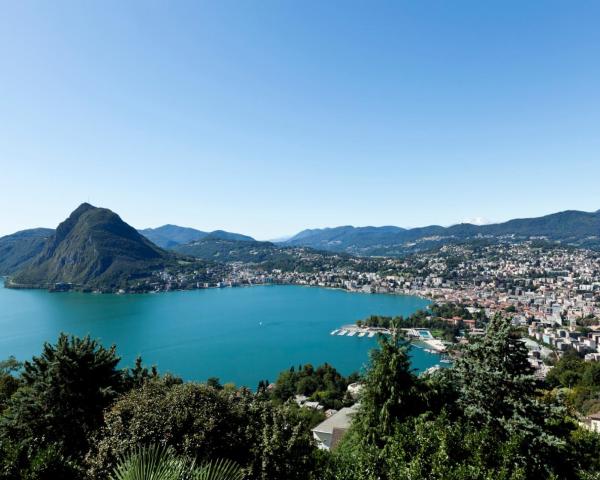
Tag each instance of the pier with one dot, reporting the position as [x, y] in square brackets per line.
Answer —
[423, 335]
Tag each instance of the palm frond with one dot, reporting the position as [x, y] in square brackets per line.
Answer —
[151, 463]
[161, 463]
[219, 470]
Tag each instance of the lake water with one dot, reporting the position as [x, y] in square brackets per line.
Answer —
[240, 335]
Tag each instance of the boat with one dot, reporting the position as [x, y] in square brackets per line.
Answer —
[429, 350]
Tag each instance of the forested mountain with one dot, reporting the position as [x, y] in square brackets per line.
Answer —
[17, 249]
[269, 256]
[93, 247]
[170, 236]
[223, 235]
[571, 227]
[227, 250]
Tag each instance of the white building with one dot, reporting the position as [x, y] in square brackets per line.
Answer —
[594, 420]
[329, 432]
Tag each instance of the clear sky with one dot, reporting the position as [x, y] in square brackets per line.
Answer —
[267, 117]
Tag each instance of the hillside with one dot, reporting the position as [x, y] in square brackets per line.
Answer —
[19, 248]
[92, 248]
[229, 250]
[581, 229]
[223, 235]
[170, 236]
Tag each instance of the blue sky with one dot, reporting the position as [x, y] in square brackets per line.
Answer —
[267, 117]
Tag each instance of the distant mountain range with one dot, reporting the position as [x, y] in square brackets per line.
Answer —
[95, 248]
[91, 248]
[170, 236]
[580, 229]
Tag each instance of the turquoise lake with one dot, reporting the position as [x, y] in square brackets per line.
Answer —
[240, 335]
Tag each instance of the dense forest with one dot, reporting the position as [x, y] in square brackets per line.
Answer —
[71, 413]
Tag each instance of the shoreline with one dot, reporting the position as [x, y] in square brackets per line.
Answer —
[86, 290]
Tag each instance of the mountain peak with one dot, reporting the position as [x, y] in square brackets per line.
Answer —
[93, 246]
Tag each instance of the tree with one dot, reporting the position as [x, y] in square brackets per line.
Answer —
[196, 420]
[567, 372]
[9, 383]
[282, 447]
[498, 392]
[136, 376]
[391, 390]
[63, 395]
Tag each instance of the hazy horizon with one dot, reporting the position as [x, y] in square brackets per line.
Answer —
[282, 237]
[268, 118]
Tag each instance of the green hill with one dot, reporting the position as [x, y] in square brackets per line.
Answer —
[19, 248]
[227, 250]
[92, 248]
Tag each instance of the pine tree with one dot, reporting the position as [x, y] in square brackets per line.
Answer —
[64, 393]
[498, 392]
[391, 390]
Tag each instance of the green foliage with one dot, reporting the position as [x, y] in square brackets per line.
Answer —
[161, 463]
[138, 375]
[323, 384]
[9, 383]
[439, 448]
[283, 448]
[567, 372]
[582, 379]
[75, 416]
[391, 391]
[482, 419]
[63, 395]
[198, 421]
[498, 392]
[424, 319]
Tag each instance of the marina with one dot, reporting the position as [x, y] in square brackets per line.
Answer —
[421, 335]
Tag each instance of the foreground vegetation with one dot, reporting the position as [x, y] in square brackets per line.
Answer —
[70, 413]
